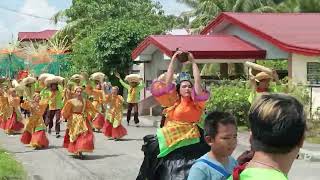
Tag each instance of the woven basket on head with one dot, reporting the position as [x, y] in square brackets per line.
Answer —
[28, 80]
[133, 78]
[53, 80]
[98, 76]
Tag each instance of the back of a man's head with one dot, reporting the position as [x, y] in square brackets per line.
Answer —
[277, 123]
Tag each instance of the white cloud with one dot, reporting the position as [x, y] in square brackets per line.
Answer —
[22, 23]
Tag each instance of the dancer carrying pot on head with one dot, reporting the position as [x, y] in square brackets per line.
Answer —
[55, 103]
[134, 87]
[113, 127]
[261, 81]
[180, 141]
[44, 91]
[34, 132]
[79, 136]
[29, 90]
[98, 99]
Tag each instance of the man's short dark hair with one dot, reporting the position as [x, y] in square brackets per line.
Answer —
[277, 123]
[215, 118]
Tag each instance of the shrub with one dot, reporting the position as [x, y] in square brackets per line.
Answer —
[231, 96]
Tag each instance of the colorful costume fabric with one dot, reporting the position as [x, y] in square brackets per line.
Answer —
[14, 123]
[55, 103]
[67, 95]
[79, 136]
[133, 92]
[55, 99]
[29, 92]
[4, 110]
[133, 100]
[182, 115]
[98, 101]
[34, 132]
[113, 127]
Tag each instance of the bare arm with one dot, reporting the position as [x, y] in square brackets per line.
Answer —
[253, 84]
[196, 75]
[170, 71]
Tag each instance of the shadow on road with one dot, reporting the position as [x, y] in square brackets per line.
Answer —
[128, 139]
[23, 152]
[143, 126]
[96, 157]
[54, 147]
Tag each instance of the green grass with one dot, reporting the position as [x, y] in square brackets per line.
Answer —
[10, 169]
[314, 139]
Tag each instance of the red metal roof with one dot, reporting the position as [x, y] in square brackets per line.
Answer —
[202, 47]
[34, 36]
[292, 32]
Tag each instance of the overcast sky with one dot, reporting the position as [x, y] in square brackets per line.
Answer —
[11, 23]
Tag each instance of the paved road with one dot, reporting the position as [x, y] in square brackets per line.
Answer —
[111, 160]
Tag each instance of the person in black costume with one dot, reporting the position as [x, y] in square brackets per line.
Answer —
[170, 154]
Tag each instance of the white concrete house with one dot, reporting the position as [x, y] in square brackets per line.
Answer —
[239, 37]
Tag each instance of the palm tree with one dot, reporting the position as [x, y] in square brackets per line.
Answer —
[291, 6]
[204, 11]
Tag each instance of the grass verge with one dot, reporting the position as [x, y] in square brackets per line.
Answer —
[10, 169]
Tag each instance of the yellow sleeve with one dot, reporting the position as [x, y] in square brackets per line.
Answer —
[121, 99]
[43, 107]
[26, 105]
[67, 110]
[93, 92]
[107, 98]
[90, 108]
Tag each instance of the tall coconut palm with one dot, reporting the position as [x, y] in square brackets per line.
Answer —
[292, 6]
[204, 11]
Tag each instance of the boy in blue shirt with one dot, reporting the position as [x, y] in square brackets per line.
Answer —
[221, 135]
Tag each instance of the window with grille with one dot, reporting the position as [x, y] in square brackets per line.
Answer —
[313, 72]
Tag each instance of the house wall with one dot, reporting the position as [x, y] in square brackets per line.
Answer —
[299, 75]
[299, 67]
[157, 66]
[151, 70]
[273, 52]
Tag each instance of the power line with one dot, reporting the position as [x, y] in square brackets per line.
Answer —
[26, 14]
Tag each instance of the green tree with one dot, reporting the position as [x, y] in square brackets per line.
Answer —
[104, 32]
[114, 45]
[292, 6]
[203, 11]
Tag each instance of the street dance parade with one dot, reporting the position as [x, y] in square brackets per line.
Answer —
[160, 90]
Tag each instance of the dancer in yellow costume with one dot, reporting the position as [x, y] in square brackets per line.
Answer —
[14, 123]
[79, 135]
[98, 99]
[4, 104]
[34, 132]
[113, 127]
[134, 86]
